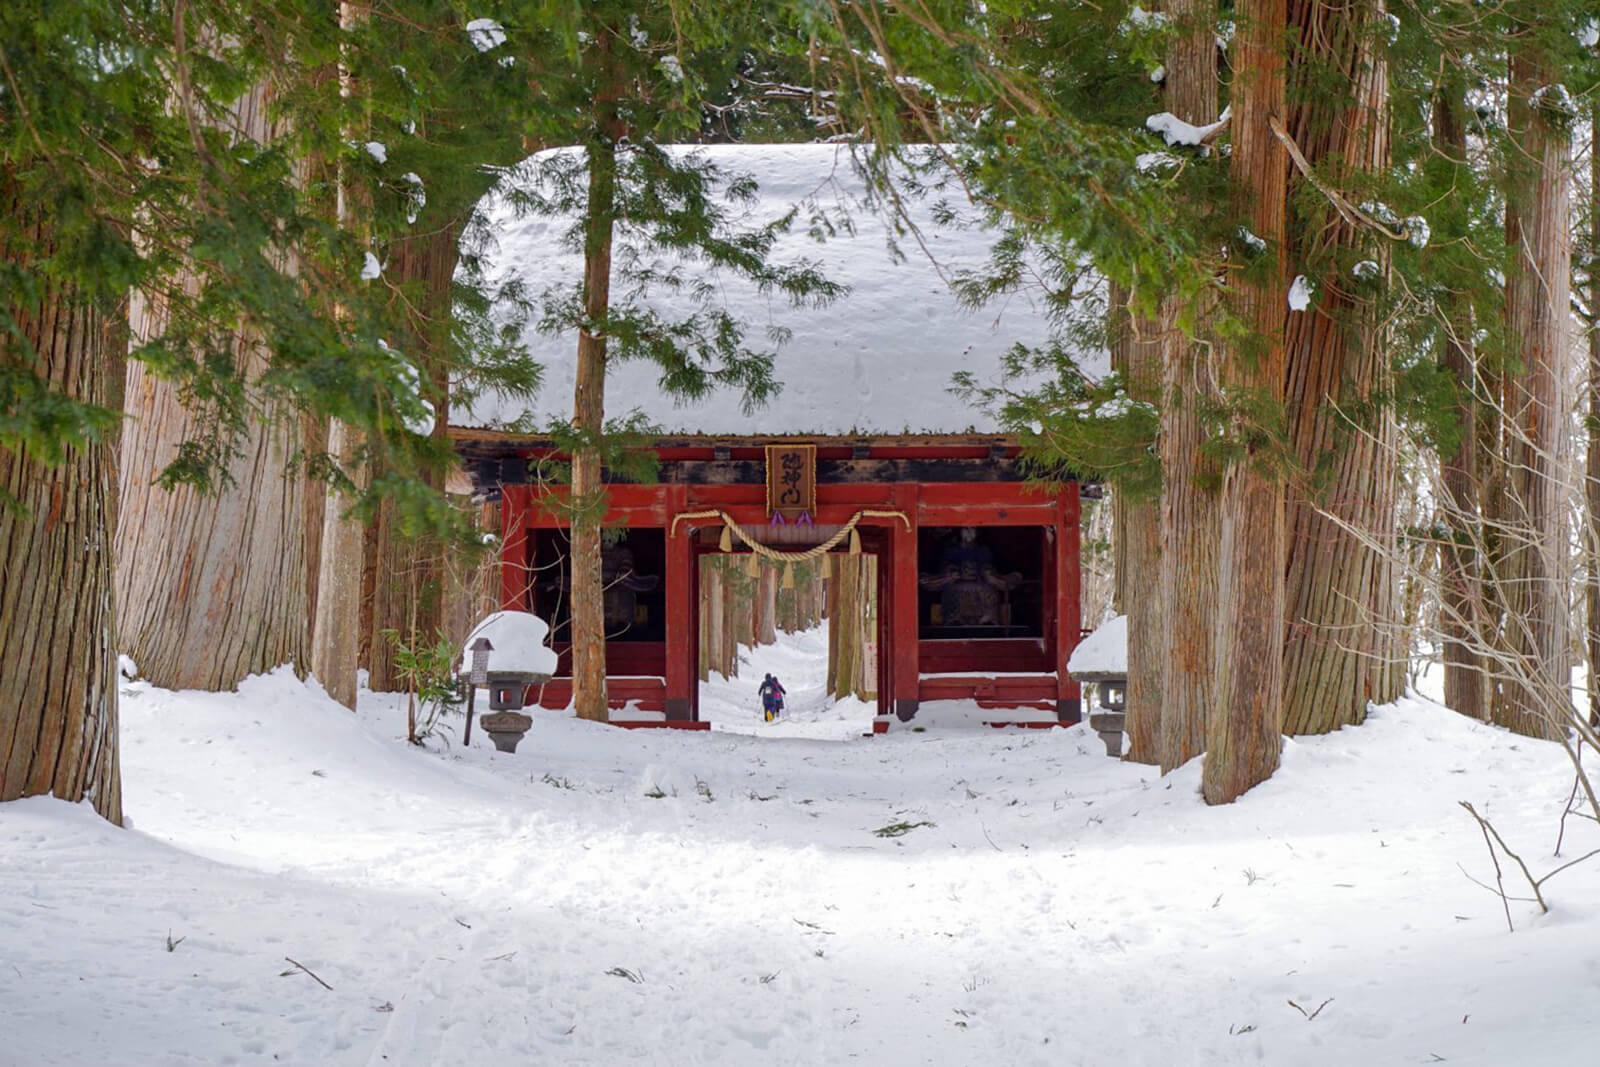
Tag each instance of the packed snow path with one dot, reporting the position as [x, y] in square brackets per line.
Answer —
[607, 896]
[800, 661]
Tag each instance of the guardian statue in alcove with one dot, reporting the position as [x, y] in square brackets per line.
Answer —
[971, 589]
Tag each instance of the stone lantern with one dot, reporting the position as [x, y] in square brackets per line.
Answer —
[507, 653]
[1102, 658]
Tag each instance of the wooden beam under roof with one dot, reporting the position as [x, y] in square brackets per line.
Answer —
[494, 458]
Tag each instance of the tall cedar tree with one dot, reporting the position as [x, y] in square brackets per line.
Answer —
[424, 77]
[612, 83]
[1243, 732]
[1534, 570]
[209, 579]
[1188, 535]
[1495, 90]
[1343, 646]
[1059, 149]
[122, 177]
[1592, 463]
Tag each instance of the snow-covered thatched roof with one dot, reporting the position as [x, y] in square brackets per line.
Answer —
[879, 360]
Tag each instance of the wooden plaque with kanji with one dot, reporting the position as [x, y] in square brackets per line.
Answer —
[792, 481]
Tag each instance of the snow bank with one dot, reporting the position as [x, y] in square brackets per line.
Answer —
[613, 896]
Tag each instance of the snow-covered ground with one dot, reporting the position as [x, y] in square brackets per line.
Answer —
[606, 896]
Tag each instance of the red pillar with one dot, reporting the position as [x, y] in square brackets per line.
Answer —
[903, 603]
[1069, 602]
[681, 629]
[514, 545]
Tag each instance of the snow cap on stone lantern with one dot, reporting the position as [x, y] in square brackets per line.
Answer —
[517, 639]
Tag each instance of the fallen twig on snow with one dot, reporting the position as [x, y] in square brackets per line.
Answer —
[1314, 1014]
[309, 971]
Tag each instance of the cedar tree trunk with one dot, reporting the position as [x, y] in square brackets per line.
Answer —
[1189, 525]
[1244, 730]
[407, 572]
[210, 586]
[336, 628]
[336, 625]
[1462, 619]
[1592, 479]
[588, 419]
[1532, 571]
[58, 656]
[1136, 352]
[1343, 645]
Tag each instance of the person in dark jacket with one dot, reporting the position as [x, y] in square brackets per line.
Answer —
[771, 698]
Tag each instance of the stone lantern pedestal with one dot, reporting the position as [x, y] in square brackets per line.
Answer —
[1102, 658]
[1111, 710]
[506, 728]
[506, 653]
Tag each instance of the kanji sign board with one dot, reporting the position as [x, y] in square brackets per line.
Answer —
[792, 481]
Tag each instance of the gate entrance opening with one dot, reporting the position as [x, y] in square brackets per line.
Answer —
[813, 624]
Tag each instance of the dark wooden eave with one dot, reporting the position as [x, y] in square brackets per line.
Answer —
[493, 458]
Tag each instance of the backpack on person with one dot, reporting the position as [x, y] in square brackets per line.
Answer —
[771, 698]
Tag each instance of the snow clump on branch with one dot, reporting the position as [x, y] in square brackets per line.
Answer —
[1300, 293]
[485, 34]
[416, 196]
[1178, 132]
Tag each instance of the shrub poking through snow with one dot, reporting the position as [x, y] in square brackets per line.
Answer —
[431, 688]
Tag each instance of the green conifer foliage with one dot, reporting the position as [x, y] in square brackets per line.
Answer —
[1047, 111]
[603, 87]
[122, 176]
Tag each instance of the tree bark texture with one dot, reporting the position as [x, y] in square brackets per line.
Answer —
[588, 419]
[1462, 619]
[408, 572]
[1136, 353]
[336, 628]
[314, 439]
[852, 624]
[1592, 460]
[733, 603]
[58, 655]
[1098, 577]
[1189, 532]
[471, 588]
[1344, 643]
[711, 602]
[1532, 573]
[209, 585]
[336, 631]
[1244, 731]
[767, 606]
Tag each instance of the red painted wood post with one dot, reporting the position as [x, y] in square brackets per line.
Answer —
[1069, 602]
[514, 546]
[903, 598]
[886, 623]
[681, 624]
